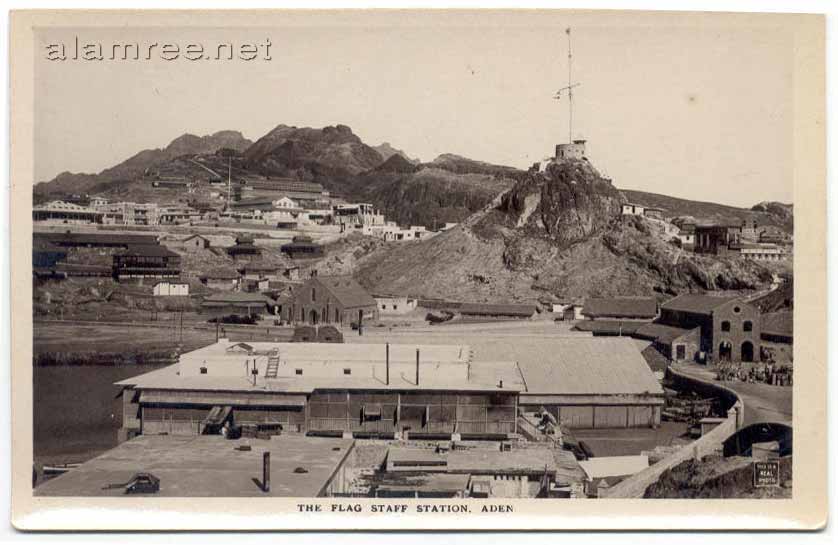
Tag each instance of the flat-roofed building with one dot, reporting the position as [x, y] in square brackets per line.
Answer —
[213, 466]
[395, 304]
[167, 288]
[364, 389]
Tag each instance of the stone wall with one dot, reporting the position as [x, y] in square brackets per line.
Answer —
[635, 486]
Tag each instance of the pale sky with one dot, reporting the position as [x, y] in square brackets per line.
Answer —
[699, 111]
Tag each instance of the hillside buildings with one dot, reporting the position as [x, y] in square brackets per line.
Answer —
[60, 212]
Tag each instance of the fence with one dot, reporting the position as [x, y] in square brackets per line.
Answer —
[636, 485]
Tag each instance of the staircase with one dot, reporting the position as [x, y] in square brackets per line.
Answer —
[273, 367]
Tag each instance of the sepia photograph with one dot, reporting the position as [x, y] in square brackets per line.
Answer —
[419, 264]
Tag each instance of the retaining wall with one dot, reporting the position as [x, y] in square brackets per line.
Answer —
[636, 485]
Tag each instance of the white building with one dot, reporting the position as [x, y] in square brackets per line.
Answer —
[285, 202]
[762, 251]
[630, 209]
[166, 288]
[395, 304]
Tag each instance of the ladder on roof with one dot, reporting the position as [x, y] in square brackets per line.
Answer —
[273, 366]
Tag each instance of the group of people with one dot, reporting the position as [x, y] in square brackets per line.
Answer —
[769, 373]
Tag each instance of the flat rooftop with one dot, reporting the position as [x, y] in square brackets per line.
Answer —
[208, 466]
[344, 352]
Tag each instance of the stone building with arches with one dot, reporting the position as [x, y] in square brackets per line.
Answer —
[730, 327]
[338, 300]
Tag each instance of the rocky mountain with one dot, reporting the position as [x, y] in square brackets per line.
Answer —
[326, 155]
[556, 234]
[783, 213]
[141, 164]
[386, 151]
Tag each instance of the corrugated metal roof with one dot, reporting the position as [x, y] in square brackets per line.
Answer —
[660, 332]
[148, 250]
[221, 274]
[497, 309]
[697, 303]
[575, 365]
[621, 307]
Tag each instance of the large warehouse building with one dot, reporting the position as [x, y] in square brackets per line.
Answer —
[381, 390]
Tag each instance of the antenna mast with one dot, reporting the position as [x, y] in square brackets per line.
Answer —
[568, 88]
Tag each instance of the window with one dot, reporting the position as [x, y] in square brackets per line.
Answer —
[748, 326]
[314, 294]
[347, 371]
[395, 307]
[737, 310]
[203, 370]
[725, 326]
[298, 371]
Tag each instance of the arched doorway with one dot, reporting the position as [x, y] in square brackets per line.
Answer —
[747, 351]
[725, 350]
[313, 317]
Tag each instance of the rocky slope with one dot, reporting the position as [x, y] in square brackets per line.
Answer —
[428, 194]
[766, 213]
[145, 162]
[556, 234]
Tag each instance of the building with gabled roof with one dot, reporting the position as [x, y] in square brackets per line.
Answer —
[223, 278]
[239, 302]
[332, 300]
[730, 326]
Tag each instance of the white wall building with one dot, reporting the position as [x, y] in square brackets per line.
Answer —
[166, 289]
[395, 304]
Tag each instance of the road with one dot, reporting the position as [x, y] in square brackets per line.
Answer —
[763, 402]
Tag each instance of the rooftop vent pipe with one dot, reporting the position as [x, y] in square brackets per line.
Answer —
[387, 366]
[417, 367]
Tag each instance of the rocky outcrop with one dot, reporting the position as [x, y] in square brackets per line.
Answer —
[291, 151]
